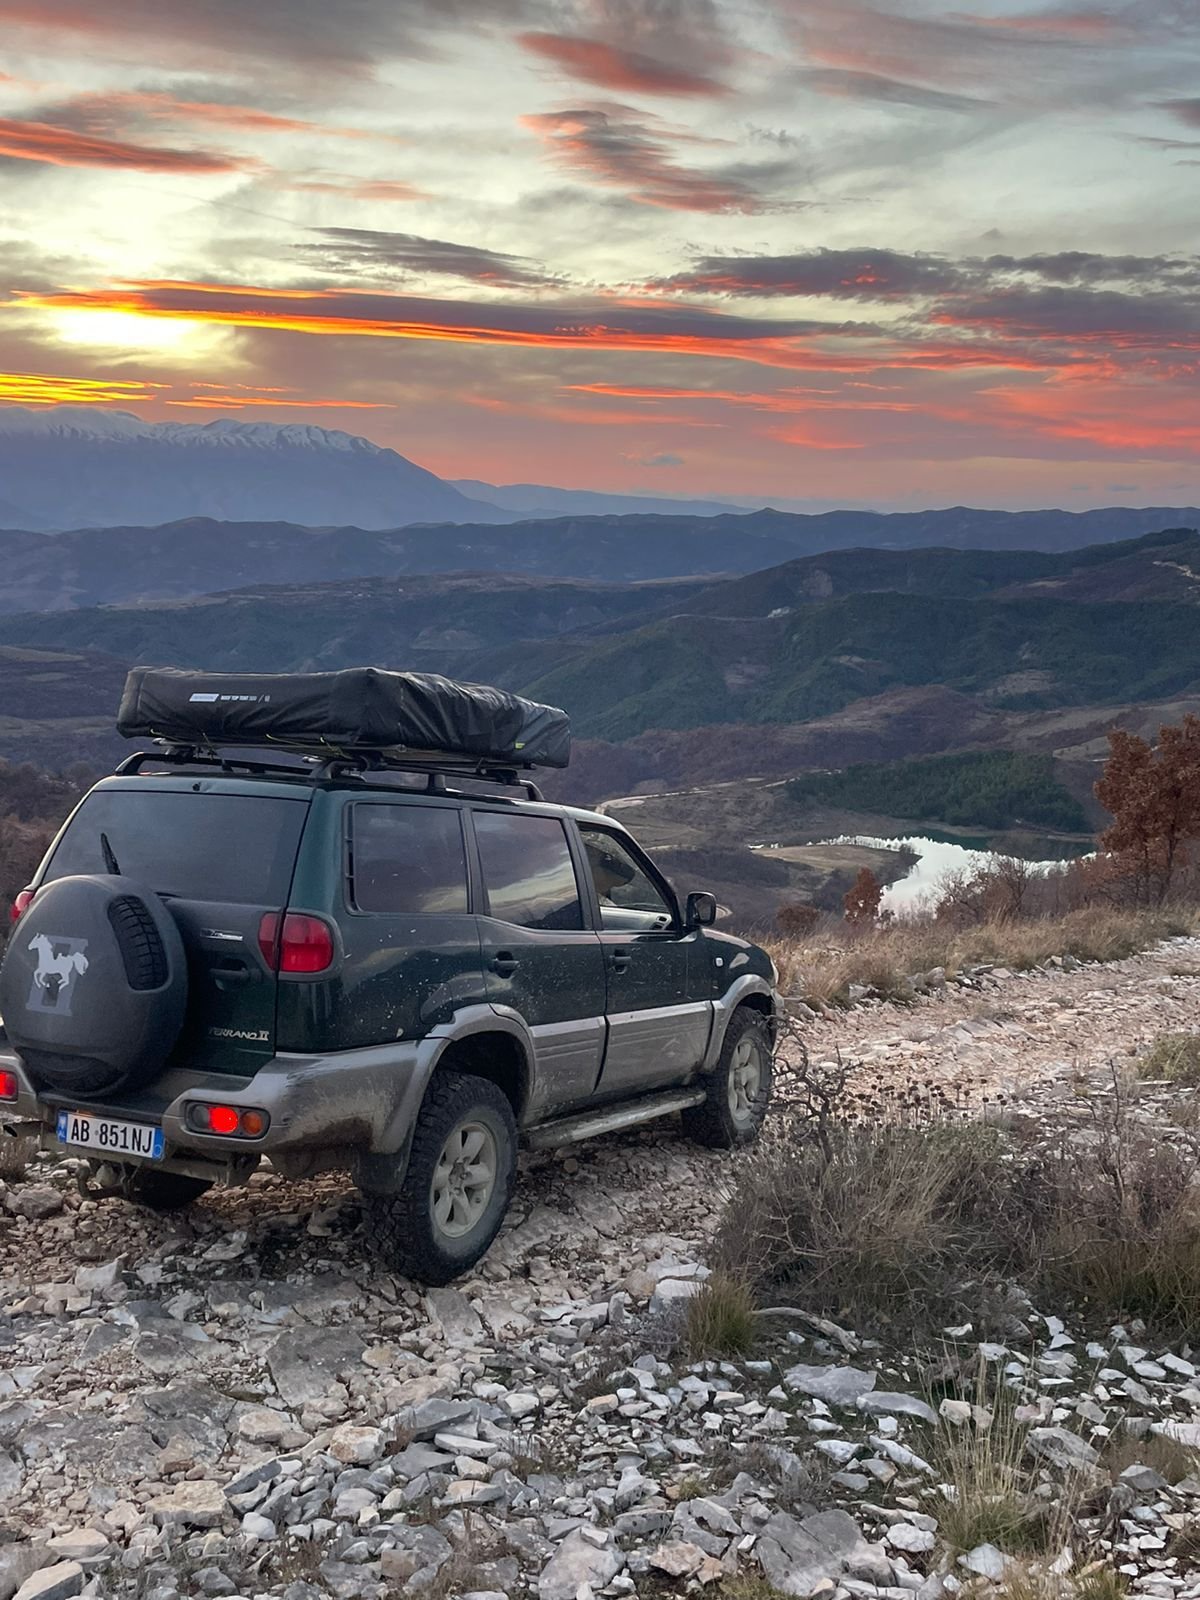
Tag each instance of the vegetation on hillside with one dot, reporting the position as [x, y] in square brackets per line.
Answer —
[985, 789]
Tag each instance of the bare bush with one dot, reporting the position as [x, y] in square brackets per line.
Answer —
[894, 1212]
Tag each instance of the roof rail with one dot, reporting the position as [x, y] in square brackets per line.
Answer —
[354, 763]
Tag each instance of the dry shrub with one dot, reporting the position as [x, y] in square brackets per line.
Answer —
[879, 1223]
[910, 1221]
[1114, 1218]
[1175, 1057]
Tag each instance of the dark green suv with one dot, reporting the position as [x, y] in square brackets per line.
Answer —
[402, 973]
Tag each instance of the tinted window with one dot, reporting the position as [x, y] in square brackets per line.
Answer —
[239, 849]
[527, 870]
[408, 859]
[619, 877]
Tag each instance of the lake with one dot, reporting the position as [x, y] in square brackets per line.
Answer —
[938, 856]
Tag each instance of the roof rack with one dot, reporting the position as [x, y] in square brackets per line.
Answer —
[319, 768]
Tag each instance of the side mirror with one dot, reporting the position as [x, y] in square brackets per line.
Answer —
[701, 910]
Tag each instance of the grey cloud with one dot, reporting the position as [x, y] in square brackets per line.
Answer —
[388, 256]
[851, 85]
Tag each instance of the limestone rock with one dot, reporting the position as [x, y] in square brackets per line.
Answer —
[576, 1562]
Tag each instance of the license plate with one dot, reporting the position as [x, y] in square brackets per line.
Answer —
[106, 1136]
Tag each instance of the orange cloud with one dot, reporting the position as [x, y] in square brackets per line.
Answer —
[271, 397]
[64, 147]
[248, 119]
[52, 389]
[366, 189]
[773, 400]
[672, 329]
[1141, 422]
[627, 71]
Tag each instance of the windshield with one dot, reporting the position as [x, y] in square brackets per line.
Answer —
[235, 848]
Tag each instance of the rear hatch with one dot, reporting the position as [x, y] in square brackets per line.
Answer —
[221, 854]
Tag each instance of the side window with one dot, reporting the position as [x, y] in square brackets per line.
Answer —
[407, 859]
[628, 897]
[528, 872]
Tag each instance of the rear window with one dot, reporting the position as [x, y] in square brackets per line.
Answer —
[239, 849]
[408, 859]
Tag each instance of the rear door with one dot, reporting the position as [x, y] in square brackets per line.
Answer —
[221, 857]
[657, 977]
[411, 944]
[539, 958]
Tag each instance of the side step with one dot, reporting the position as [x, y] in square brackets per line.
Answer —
[610, 1119]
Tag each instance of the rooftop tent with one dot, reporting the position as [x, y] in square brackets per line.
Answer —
[361, 708]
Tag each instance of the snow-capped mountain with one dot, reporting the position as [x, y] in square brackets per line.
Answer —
[81, 466]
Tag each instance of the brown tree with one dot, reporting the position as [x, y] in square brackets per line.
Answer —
[1153, 793]
[861, 902]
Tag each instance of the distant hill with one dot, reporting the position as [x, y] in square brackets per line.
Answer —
[194, 556]
[69, 466]
[1011, 631]
[543, 500]
[768, 649]
[424, 623]
[199, 556]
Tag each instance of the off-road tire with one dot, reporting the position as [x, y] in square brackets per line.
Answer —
[165, 1191]
[402, 1227]
[715, 1122]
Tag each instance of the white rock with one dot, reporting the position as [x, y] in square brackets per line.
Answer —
[355, 1445]
[261, 1530]
[58, 1582]
[913, 1541]
[986, 1562]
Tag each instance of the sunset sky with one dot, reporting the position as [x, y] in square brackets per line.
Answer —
[893, 253]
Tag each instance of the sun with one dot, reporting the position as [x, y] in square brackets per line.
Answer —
[123, 329]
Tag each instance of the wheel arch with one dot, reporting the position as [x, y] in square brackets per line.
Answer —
[494, 1054]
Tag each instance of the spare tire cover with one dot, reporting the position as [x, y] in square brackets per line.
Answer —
[93, 988]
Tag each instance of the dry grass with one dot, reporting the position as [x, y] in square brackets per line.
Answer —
[1175, 1057]
[720, 1318]
[989, 1472]
[1096, 1582]
[887, 957]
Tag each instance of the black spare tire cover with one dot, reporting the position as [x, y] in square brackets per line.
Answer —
[93, 988]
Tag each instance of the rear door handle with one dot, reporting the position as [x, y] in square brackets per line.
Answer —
[505, 963]
[231, 974]
[620, 959]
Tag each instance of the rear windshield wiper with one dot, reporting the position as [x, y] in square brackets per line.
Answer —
[111, 864]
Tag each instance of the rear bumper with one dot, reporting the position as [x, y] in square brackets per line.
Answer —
[351, 1103]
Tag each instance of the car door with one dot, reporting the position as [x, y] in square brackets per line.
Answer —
[411, 942]
[540, 959]
[657, 975]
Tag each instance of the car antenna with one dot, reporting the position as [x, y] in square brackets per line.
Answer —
[110, 861]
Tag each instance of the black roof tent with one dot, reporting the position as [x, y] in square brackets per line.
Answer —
[400, 714]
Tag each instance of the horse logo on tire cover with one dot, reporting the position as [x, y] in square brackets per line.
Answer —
[61, 962]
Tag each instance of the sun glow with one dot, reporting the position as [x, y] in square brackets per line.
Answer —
[103, 329]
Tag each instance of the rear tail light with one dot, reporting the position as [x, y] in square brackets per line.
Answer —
[240, 1122]
[8, 1085]
[20, 905]
[295, 942]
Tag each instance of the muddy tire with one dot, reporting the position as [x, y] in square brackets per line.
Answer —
[457, 1185]
[739, 1090]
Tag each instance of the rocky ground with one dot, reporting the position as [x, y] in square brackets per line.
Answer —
[238, 1401]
